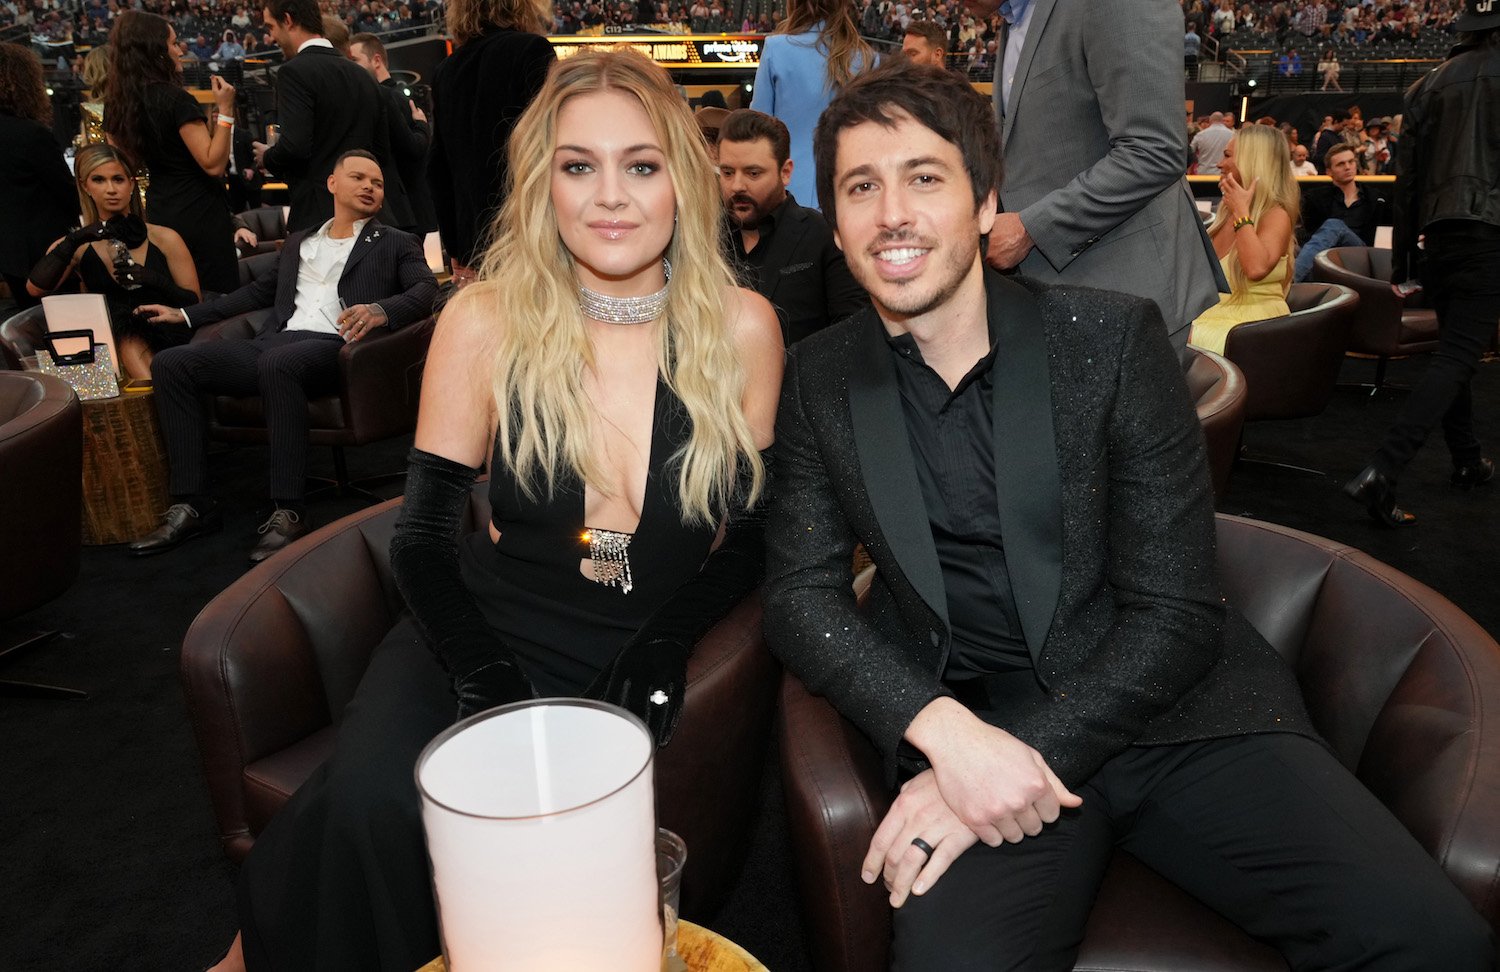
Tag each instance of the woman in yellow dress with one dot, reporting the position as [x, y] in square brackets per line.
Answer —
[1252, 234]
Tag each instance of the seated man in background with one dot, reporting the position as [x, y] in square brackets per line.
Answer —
[335, 284]
[783, 251]
[1343, 213]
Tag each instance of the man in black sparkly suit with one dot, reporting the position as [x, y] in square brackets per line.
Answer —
[1045, 661]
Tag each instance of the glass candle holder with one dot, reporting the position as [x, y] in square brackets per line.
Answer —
[541, 832]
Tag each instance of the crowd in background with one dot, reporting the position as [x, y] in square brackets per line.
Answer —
[1374, 140]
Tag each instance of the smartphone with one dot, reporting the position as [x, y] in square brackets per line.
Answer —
[1408, 288]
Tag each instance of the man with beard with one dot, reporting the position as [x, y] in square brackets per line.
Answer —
[341, 282]
[783, 251]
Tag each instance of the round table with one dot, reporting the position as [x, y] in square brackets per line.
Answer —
[701, 950]
[124, 468]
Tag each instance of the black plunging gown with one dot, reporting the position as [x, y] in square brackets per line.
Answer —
[339, 879]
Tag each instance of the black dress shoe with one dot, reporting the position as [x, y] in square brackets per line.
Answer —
[1473, 474]
[1378, 495]
[282, 528]
[180, 523]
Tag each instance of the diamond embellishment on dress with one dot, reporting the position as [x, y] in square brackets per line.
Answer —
[658, 697]
[609, 553]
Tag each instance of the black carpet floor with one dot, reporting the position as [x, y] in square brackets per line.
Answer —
[108, 857]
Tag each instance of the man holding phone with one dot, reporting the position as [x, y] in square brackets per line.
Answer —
[336, 284]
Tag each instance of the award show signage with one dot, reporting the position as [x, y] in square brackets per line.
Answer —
[673, 52]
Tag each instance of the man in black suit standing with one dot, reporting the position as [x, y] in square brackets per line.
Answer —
[407, 131]
[1046, 660]
[348, 278]
[325, 106]
[783, 251]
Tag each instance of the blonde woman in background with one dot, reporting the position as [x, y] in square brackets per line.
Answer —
[1252, 234]
[815, 51]
[621, 389]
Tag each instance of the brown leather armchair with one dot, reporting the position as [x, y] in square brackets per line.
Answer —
[41, 488]
[23, 331]
[1386, 326]
[1218, 392]
[1291, 363]
[1402, 684]
[269, 665]
[269, 226]
[380, 381]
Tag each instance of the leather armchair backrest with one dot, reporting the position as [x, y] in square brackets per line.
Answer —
[41, 488]
[265, 222]
[1218, 391]
[1366, 271]
[1291, 363]
[24, 331]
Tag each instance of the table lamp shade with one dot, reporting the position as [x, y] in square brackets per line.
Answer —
[541, 831]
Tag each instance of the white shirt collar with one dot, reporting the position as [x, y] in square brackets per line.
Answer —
[314, 42]
[359, 226]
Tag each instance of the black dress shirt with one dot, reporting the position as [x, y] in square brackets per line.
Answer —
[952, 444]
[1321, 203]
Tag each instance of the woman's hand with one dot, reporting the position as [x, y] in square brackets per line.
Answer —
[1236, 196]
[223, 93]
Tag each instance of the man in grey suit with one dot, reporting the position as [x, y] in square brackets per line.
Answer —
[1089, 98]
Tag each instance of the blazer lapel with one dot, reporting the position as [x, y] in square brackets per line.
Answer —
[1026, 474]
[1040, 11]
[890, 475]
[369, 237]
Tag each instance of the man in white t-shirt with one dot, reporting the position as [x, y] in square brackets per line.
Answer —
[338, 283]
[1209, 144]
[1300, 164]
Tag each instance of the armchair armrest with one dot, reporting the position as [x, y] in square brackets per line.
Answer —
[381, 378]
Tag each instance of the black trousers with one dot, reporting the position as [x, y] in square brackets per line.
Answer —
[339, 879]
[1464, 287]
[285, 369]
[1268, 830]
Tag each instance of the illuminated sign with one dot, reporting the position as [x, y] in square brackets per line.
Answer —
[718, 50]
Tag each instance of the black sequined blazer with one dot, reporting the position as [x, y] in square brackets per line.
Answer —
[1108, 523]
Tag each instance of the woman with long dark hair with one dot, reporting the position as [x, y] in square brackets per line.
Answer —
[120, 255]
[150, 116]
[498, 65]
[816, 50]
[34, 180]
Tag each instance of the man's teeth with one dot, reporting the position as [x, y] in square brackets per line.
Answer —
[901, 256]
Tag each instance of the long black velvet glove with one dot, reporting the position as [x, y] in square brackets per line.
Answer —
[648, 676]
[424, 557]
[132, 276]
[52, 268]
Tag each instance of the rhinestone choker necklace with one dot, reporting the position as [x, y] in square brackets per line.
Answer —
[624, 310]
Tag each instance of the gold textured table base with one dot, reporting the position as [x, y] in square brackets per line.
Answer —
[701, 950]
[124, 468]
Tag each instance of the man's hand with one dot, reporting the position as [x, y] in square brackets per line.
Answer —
[161, 314]
[259, 150]
[1009, 242]
[918, 813]
[244, 238]
[357, 321]
[462, 275]
[417, 114]
[999, 787]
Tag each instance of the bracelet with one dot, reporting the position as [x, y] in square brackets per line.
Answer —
[1242, 222]
[226, 120]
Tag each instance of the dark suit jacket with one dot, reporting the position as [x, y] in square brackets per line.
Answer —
[478, 94]
[1104, 501]
[41, 201]
[326, 105]
[802, 272]
[385, 267]
[409, 140]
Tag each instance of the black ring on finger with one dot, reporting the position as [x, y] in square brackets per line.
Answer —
[922, 846]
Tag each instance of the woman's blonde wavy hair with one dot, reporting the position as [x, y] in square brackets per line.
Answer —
[839, 37]
[1263, 153]
[529, 280]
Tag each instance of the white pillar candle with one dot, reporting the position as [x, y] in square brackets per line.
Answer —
[541, 832]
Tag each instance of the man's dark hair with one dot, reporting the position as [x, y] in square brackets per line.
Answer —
[357, 154]
[304, 13]
[1338, 149]
[746, 125]
[938, 99]
[935, 36]
[371, 44]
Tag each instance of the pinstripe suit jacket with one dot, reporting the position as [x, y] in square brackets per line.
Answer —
[386, 266]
